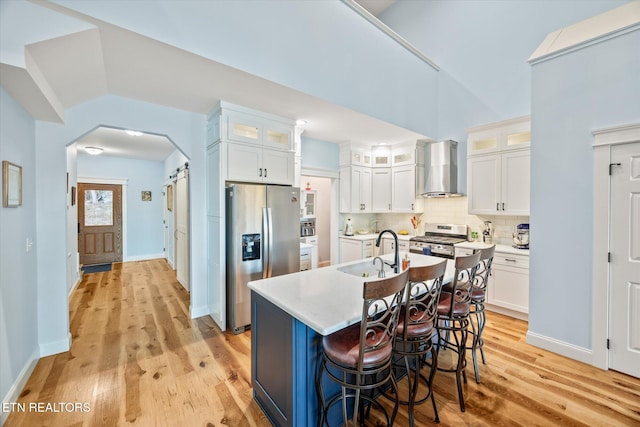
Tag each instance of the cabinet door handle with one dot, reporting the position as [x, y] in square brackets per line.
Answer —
[502, 204]
[411, 206]
[265, 172]
[260, 172]
[389, 206]
[510, 260]
[497, 206]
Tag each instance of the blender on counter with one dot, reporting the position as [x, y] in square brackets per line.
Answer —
[521, 236]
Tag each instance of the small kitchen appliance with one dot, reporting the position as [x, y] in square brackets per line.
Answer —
[438, 240]
[348, 228]
[521, 236]
[307, 227]
[487, 233]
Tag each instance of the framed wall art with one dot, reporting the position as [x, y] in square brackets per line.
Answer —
[146, 196]
[11, 185]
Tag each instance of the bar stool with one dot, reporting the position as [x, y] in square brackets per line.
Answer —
[416, 330]
[453, 317]
[478, 299]
[359, 357]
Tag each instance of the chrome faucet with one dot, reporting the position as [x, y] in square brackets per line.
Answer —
[396, 258]
[381, 271]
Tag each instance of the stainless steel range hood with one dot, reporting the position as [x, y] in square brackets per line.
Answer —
[441, 169]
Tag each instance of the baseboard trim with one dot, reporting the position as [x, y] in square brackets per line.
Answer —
[55, 347]
[144, 257]
[73, 288]
[562, 348]
[14, 392]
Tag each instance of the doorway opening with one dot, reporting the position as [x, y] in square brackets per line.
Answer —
[325, 184]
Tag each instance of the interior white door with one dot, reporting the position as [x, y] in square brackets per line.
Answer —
[182, 229]
[169, 208]
[624, 309]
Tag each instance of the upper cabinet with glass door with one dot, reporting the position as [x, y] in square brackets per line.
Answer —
[502, 136]
[244, 125]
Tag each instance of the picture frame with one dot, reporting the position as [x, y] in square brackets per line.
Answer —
[146, 196]
[11, 185]
[170, 197]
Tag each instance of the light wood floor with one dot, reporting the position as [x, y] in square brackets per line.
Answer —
[137, 359]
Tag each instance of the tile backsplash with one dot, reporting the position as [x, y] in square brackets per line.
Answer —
[449, 210]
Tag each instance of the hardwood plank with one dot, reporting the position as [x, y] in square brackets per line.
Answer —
[137, 359]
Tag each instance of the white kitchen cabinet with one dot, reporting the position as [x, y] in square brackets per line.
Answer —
[407, 154]
[406, 182]
[509, 134]
[499, 184]
[354, 155]
[381, 190]
[498, 168]
[388, 246]
[308, 203]
[355, 189]
[508, 285]
[305, 258]
[381, 157]
[253, 129]
[248, 163]
[354, 249]
[258, 147]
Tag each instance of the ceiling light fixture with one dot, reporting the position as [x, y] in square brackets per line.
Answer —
[301, 122]
[133, 132]
[94, 151]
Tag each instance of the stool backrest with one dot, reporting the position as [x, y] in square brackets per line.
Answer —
[466, 267]
[382, 303]
[484, 267]
[423, 292]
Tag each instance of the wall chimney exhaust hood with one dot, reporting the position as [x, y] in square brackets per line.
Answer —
[441, 169]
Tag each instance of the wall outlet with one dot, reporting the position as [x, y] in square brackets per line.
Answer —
[29, 244]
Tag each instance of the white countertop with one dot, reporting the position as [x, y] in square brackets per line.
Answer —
[326, 299]
[375, 236]
[499, 248]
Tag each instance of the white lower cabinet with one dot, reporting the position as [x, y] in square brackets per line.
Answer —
[388, 246]
[353, 250]
[508, 285]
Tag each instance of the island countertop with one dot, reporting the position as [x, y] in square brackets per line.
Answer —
[327, 299]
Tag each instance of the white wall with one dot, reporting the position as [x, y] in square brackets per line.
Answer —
[318, 154]
[592, 88]
[18, 283]
[321, 48]
[187, 130]
[73, 266]
[144, 232]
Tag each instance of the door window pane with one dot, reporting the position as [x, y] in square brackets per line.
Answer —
[98, 207]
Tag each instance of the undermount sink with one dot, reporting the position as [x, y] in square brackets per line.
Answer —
[366, 269]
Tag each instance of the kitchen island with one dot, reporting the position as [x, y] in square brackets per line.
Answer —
[289, 316]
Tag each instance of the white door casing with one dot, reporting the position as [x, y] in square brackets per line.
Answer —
[604, 140]
[182, 228]
[624, 291]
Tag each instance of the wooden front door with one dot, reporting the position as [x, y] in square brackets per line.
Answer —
[99, 223]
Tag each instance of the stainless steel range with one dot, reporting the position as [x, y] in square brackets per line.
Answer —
[438, 240]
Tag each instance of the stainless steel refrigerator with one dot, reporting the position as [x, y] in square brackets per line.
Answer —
[263, 240]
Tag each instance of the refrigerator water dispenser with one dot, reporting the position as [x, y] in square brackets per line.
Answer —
[250, 247]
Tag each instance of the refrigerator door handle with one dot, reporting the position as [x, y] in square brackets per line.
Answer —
[265, 243]
[269, 243]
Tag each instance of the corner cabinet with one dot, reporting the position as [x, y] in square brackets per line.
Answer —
[498, 168]
[384, 179]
